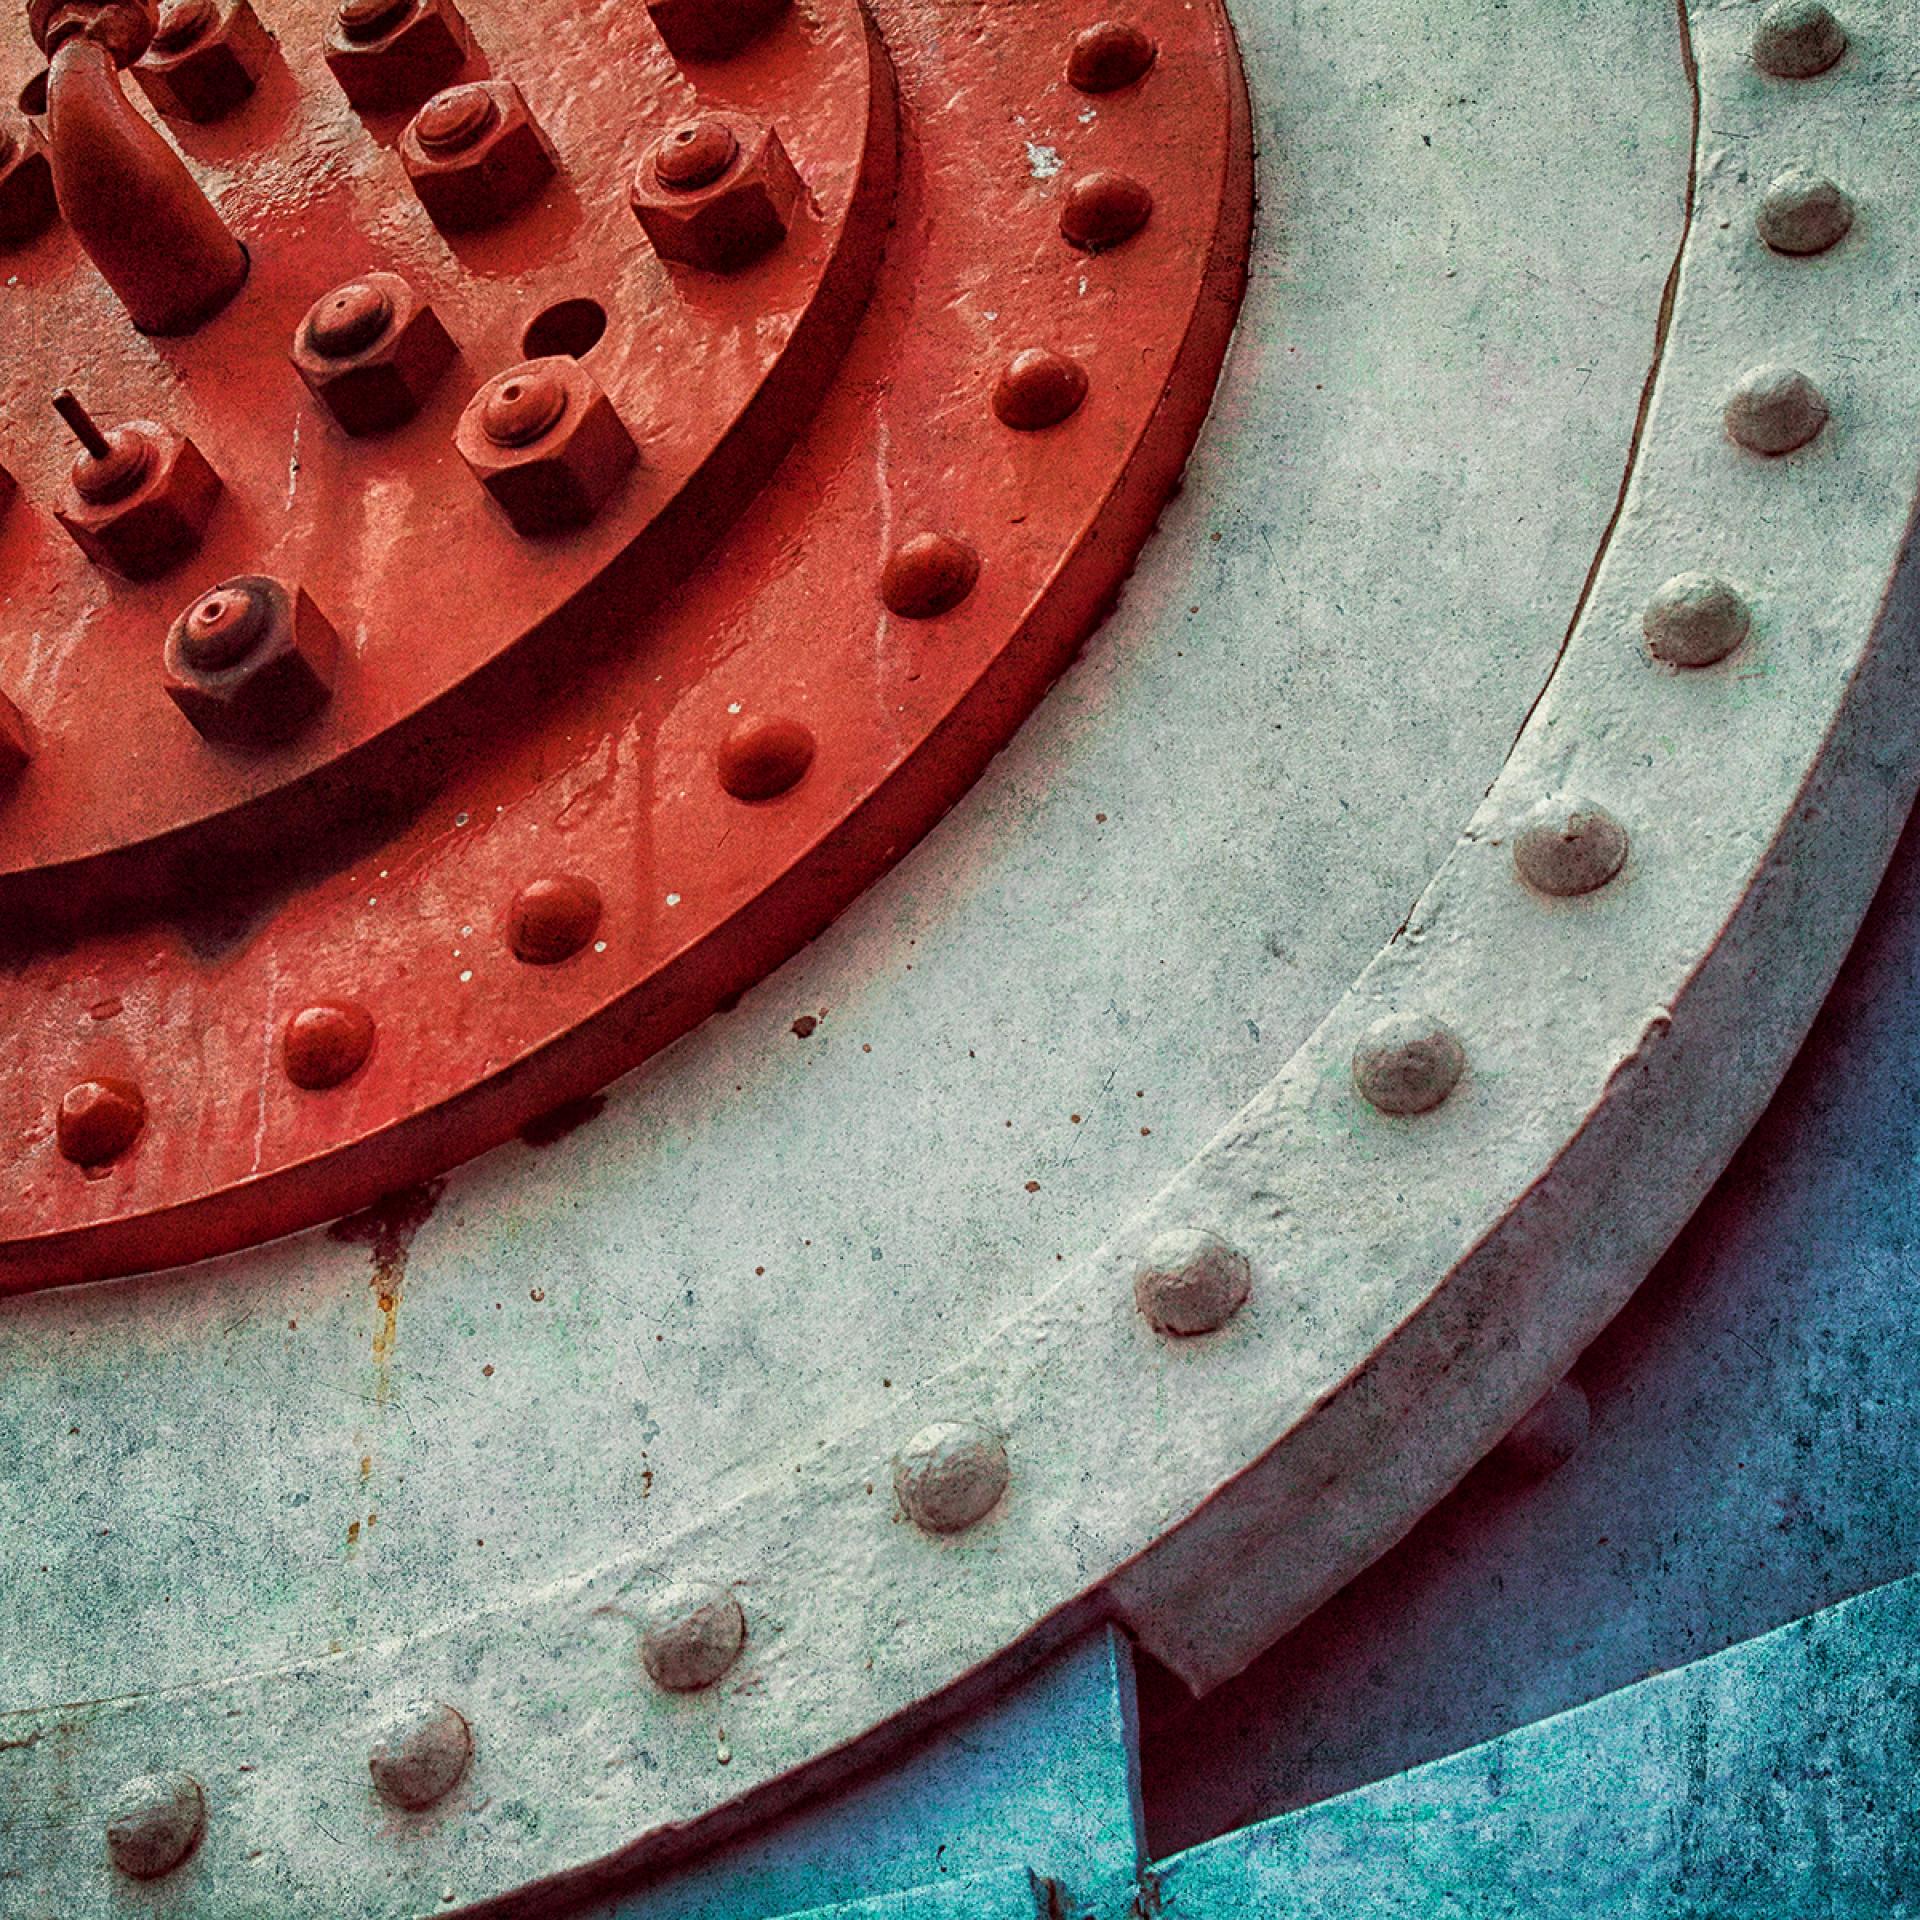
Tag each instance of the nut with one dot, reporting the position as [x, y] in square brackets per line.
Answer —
[371, 352]
[205, 59]
[394, 53]
[724, 221]
[712, 29]
[250, 660]
[27, 205]
[474, 154]
[142, 507]
[544, 440]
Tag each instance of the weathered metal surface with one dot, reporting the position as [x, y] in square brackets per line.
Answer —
[588, 1446]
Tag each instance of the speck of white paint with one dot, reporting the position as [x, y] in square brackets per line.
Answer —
[1083, 286]
[466, 933]
[466, 974]
[461, 819]
[1045, 161]
[599, 946]
[673, 899]
[734, 707]
[1089, 117]
[383, 873]
[373, 899]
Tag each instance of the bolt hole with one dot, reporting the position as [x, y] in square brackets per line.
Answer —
[33, 96]
[572, 329]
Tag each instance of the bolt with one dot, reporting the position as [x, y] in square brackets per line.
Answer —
[156, 1822]
[692, 1636]
[222, 626]
[762, 759]
[928, 575]
[552, 918]
[349, 320]
[523, 406]
[695, 155]
[1569, 847]
[1191, 1283]
[1407, 1063]
[1797, 39]
[326, 1043]
[112, 464]
[183, 22]
[1804, 213]
[1104, 208]
[420, 1755]
[1108, 56]
[1774, 410]
[545, 441]
[371, 352]
[251, 661]
[1549, 1434]
[1694, 620]
[455, 118]
[98, 1121]
[1039, 389]
[950, 1476]
[364, 20]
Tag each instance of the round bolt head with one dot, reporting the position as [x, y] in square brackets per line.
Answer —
[695, 155]
[950, 1476]
[692, 1636]
[928, 575]
[101, 479]
[519, 406]
[371, 352]
[1567, 847]
[1774, 410]
[1104, 208]
[1804, 212]
[326, 1044]
[552, 918]
[1109, 55]
[1038, 389]
[1695, 620]
[1407, 1063]
[349, 319]
[155, 1823]
[223, 626]
[420, 1755]
[99, 1120]
[1797, 39]
[762, 759]
[1191, 1283]
[455, 118]
[1549, 1434]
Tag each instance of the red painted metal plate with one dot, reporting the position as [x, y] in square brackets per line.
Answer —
[605, 751]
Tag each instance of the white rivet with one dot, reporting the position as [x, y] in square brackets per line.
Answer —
[1803, 212]
[1191, 1283]
[950, 1475]
[155, 1822]
[1695, 620]
[1797, 39]
[1407, 1063]
[1567, 847]
[1774, 410]
[692, 1635]
[419, 1756]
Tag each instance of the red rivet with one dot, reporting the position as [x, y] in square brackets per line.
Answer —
[221, 627]
[99, 1120]
[762, 759]
[1039, 389]
[1113, 54]
[521, 406]
[553, 918]
[695, 155]
[1104, 208]
[326, 1043]
[927, 575]
[349, 319]
[455, 118]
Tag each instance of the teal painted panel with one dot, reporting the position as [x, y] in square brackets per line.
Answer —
[1007, 1895]
[1779, 1780]
[1045, 1777]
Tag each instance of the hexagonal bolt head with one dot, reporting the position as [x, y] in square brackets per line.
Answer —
[145, 509]
[15, 750]
[712, 29]
[250, 661]
[27, 205]
[394, 53]
[371, 352]
[475, 154]
[727, 222]
[205, 60]
[544, 440]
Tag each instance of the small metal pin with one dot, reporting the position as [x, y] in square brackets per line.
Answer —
[81, 423]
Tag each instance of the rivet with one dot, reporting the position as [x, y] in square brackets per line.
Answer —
[928, 575]
[455, 118]
[1695, 620]
[521, 406]
[1104, 208]
[99, 1120]
[1550, 1433]
[155, 1823]
[1407, 1063]
[368, 19]
[950, 1476]
[695, 155]
[1567, 847]
[762, 759]
[551, 919]
[349, 320]
[1774, 410]
[1109, 55]
[1804, 212]
[691, 1636]
[326, 1044]
[1797, 39]
[222, 626]
[1191, 1283]
[420, 1755]
[182, 23]
[1038, 389]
